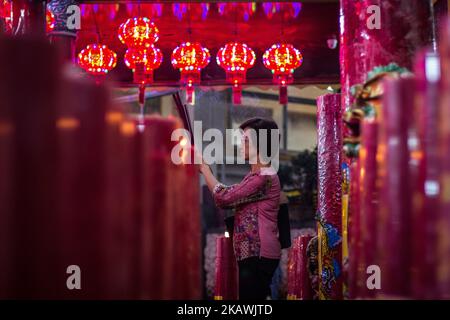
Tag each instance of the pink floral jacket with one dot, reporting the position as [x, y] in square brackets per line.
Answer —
[255, 201]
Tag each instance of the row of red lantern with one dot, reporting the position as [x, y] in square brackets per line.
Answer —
[140, 35]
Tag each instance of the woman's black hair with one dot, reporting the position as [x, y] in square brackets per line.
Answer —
[258, 124]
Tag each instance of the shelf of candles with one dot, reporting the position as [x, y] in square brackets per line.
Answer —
[82, 186]
[403, 218]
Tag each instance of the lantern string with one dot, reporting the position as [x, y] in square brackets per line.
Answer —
[139, 8]
[282, 23]
[235, 22]
[189, 22]
[99, 36]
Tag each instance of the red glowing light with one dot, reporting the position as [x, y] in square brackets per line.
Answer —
[236, 58]
[50, 19]
[190, 58]
[282, 59]
[97, 59]
[138, 32]
[143, 61]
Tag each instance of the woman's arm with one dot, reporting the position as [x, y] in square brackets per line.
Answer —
[211, 181]
[252, 189]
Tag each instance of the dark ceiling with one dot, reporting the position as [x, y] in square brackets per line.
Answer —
[316, 22]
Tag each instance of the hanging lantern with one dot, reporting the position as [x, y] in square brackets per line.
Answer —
[138, 32]
[236, 58]
[190, 59]
[50, 19]
[282, 59]
[97, 59]
[143, 61]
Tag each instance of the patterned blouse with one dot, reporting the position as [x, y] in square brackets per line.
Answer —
[255, 201]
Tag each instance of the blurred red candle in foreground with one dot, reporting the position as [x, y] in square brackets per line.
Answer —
[395, 213]
[226, 270]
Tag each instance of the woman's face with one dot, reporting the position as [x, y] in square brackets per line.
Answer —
[248, 146]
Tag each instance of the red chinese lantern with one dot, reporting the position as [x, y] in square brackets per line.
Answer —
[97, 59]
[282, 59]
[50, 19]
[236, 58]
[190, 58]
[143, 61]
[138, 32]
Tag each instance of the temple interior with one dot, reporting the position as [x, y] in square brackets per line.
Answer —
[92, 92]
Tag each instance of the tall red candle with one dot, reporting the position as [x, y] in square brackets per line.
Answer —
[157, 214]
[304, 289]
[226, 270]
[131, 201]
[395, 213]
[120, 218]
[293, 270]
[369, 200]
[426, 208]
[443, 272]
[6, 182]
[329, 126]
[355, 254]
[29, 254]
[189, 212]
[82, 188]
[405, 26]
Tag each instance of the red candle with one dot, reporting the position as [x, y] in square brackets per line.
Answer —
[292, 271]
[396, 199]
[444, 151]
[355, 254]
[157, 216]
[28, 257]
[405, 26]
[131, 202]
[190, 214]
[426, 208]
[304, 289]
[329, 126]
[369, 201]
[6, 172]
[82, 188]
[218, 290]
[119, 222]
[226, 270]
[70, 204]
